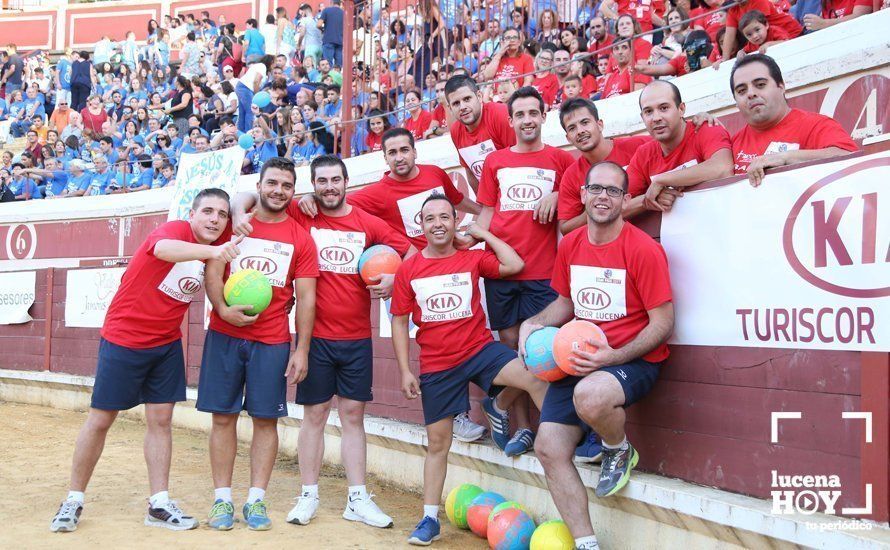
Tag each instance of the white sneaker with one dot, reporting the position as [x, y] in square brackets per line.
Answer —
[365, 510]
[304, 511]
[169, 516]
[466, 430]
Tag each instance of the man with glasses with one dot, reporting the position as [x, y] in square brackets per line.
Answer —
[631, 269]
[545, 81]
[510, 61]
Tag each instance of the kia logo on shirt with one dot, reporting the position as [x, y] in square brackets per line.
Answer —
[593, 298]
[477, 168]
[189, 285]
[417, 218]
[443, 302]
[260, 263]
[336, 255]
[522, 192]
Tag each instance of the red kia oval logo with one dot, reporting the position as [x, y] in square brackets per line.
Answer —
[592, 298]
[337, 255]
[443, 302]
[417, 218]
[829, 244]
[260, 263]
[523, 192]
[189, 285]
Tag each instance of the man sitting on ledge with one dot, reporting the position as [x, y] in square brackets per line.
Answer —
[776, 134]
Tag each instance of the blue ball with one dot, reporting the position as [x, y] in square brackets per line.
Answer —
[539, 354]
[245, 141]
[261, 99]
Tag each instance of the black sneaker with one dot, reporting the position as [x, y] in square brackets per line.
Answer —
[67, 517]
[169, 516]
[617, 464]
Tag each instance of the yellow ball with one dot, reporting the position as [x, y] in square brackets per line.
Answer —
[552, 535]
[458, 502]
[248, 287]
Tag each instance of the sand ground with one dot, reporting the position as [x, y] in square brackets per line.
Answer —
[36, 444]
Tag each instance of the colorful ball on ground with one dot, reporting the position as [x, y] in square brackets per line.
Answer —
[458, 502]
[378, 260]
[510, 529]
[480, 508]
[261, 99]
[572, 337]
[245, 140]
[248, 287]
[539, 355]
[552, 535]
[506, 506]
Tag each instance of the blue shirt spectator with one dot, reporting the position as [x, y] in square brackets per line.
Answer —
[256, 43]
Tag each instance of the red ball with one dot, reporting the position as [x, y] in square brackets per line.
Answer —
[574, 336]
[510, 529]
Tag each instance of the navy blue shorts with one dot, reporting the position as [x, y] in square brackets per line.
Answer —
[238, 374]
[344, 368]
[126, 377]
[636, 378]
[512, 302]
[447, 393]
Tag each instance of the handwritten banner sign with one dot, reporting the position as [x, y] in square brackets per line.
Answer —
[88, 293]
[200, 171]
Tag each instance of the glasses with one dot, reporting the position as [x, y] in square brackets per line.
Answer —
[611, 190]
[511, 37]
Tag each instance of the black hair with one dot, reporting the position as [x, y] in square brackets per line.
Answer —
[327, 160]
[774, 71]
[522, 93]
[252, 22]
[457, 82]
[394, 133]
[436, 196]
[190, 36]
[107, 139]
[205, 193]
[576, 104]
[614, 165]
[279, 163]
[750, 17]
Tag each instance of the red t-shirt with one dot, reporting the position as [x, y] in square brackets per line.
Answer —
[615, 284]
[835, 9]
[679, 64]
[798, 130]
[547, 85]
[710, 23]
[492, 134]
[512, 67]
[773, 34]
[588, 86]
[93, 122]
[642, 50]
[440, 116]
[623, 150]
[697, 146]
[618, 83]
[154, 295]
[642, 10]
[398, 202]
[419, 126]
[774, 17]
[343, 303]
[442, 295]
[599, 46]
[374, 142]
[513, 184]
[282, 251]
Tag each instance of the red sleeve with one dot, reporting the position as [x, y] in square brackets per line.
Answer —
[649, 271]
[778, 33]
[710, 139]
[402, 292]
[679, 65]
[306, 256]
[451, 191]
[381, 233]
[559, 280]
[735, 13]
[528, 64]
[640, 78]
[569, 204]
[828, 133]
[487, 194]
[637, 176]
[564, 160]
[489, 265]
[369, 199]
[174, 231]
[293, 210]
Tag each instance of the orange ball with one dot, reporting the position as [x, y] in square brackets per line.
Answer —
[378, 260]
[574, 336]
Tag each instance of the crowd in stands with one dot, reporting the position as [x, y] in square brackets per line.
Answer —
[117, 119]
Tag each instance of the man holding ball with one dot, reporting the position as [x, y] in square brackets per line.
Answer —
[247, 359]
[619, 260]
[140, 353]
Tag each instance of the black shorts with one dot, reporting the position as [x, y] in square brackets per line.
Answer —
[512, 302]
[344, 368]
[636, 378]
[126, 377]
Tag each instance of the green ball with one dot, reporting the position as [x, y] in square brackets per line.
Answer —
[248, 287]
[505, 505]
[458, 502]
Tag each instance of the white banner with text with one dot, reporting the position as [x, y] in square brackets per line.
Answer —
[199, 171]
[17, 293]
[88, 293]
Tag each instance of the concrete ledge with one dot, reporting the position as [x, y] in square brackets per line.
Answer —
[652, 508]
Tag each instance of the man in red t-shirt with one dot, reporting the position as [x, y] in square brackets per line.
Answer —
[613, 275]
[439, 289]
[441, 116]
[681, 155]
[599, 36]
[775, 18]
[479, 129]
[397, 197]
[140, 352]
[619, 81]
[247, 359]
[519, 192]
[776, 134]
[510, 61]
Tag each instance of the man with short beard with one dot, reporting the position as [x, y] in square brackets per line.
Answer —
[632, 270]
[599, 35]
[247, 359]
[340, 353]
[619, 81]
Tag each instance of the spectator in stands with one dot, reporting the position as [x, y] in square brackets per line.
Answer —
[710, 18]
[680, 155]
[309, 34]
[52, 177]
[619, 81]
[674, 36]
[330, 20]
[836, 11]
[696, 41]
[94, 114]
[100, 178]
[12, 70]
[545, 81]
[190, 57]
[562, 68]
[548, 31]
[776, 134]
[510, 61]
[418, 120]
[23, 187]
[301, 147]
[649, 14]
[759, 33]
[102, 51]
[775, 17]
[625, 28]
[378, 124]
[598, 35]
[492, 41]
[181, 106]
[253, 43]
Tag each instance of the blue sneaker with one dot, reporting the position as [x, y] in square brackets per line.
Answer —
[222, 515]
[590, 450]
[256, 516]
[425, 532]
[499, 422]
[521, 442]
